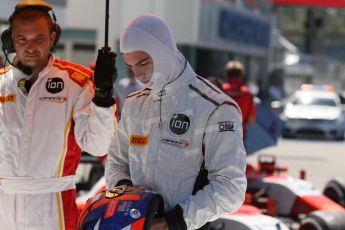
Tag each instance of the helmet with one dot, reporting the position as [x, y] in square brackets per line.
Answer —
[122, 207]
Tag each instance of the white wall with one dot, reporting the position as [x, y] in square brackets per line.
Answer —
[181, 15]
[7, 7]
[81, 14]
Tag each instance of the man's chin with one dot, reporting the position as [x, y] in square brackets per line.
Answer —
[143, 80]
[30, 64]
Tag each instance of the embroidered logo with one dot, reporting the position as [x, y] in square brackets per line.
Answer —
[55, 85]
[53, 99]
[178, 143]
[138, 140]
[8, 98]
[179, 124]
[162, 93]
[225, 126]
[21, 83]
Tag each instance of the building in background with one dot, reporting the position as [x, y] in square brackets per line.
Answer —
[317, 33]
[208, 32]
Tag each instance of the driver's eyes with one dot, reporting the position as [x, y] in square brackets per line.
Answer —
[144, 63]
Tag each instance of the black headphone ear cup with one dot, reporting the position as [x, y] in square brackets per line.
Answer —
[57, 30]
[7, 42]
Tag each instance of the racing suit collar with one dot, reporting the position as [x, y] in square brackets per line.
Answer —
[173, 88]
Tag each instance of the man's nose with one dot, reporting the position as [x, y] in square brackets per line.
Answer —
[30, 46]
[136, 72]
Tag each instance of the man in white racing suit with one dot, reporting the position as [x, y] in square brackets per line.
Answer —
[168, 131]
[49, 111]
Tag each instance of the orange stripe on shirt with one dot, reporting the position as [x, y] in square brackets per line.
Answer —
[77, 73]
[5, 69]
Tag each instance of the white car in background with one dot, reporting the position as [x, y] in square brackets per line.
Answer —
[314, 112]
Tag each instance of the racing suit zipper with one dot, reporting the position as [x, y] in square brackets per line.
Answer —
[25, 146]
[151, 181]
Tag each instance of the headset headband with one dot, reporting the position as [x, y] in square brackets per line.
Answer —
[35, 7]
[37, 3]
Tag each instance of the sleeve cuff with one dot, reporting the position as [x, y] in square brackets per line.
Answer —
[105, 103]
[175, 219]
[124, 182]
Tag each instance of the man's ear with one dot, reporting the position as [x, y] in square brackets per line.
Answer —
[52, 39]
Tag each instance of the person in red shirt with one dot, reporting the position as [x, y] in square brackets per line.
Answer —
[240, 93]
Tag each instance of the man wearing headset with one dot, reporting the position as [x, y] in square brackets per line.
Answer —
[49, 111]
[180, 136]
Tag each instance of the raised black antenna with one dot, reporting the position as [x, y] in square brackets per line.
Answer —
[106, 47]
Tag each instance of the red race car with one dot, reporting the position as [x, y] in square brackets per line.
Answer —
[296, 201]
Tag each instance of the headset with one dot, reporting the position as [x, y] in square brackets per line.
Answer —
[6, 36]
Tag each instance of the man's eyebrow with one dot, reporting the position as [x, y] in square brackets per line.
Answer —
[19, 35]
[37, 36]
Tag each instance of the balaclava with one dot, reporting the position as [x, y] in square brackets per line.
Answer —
[150, 34]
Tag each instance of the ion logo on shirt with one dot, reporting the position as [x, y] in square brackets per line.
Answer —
[179, 124]
[55, 85]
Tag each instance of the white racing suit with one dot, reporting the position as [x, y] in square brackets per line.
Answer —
[169, 128]
[160, 140]
[41, 134]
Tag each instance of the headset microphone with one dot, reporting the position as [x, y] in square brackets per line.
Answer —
[25, 69]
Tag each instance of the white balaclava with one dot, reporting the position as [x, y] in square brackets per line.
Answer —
[150, 34]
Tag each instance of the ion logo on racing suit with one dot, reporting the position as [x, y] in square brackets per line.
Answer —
[179, 124]
[55, 85]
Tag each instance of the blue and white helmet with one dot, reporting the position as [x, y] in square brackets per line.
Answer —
[124, 207]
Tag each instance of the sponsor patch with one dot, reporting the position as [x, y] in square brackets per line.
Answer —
[8, 98]
[55, 85]
[178, 143]
[53, 99]
[138, 140]
[225, 126]
[21, 83]
[78, 77]
[21, 86]
[179, 124]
